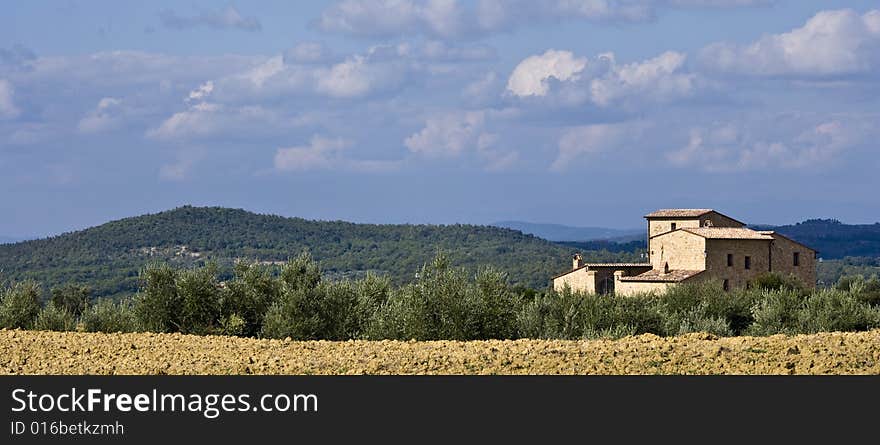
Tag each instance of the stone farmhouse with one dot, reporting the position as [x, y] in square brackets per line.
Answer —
[690, 245]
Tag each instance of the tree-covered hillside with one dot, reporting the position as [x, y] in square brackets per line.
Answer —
[109, 257]
[834, 239]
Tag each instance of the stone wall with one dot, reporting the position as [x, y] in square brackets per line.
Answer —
[736, 274]
[682, 250]
[782, 253]
[581, 280]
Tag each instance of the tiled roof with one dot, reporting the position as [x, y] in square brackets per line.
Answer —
[727, 233]
[678, 213]
[674, 276]
[599, 265]
[618, 264]
[775, 234]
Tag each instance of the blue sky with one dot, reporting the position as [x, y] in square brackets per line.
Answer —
[580, 112]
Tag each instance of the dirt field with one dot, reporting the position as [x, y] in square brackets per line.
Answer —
[24, 352]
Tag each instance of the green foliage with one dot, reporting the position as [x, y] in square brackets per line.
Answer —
[311, 309]
[109, 257]
[833, 310]
[73, 298]
[109, 316]
[54, 318]
[157, 308]
[198, 294]
[247, 297]
[444, 304]
[775, 281]
[868, 291]
[19, 305]
[569, 315]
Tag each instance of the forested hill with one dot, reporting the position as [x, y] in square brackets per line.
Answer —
[834, 239]
[109, 257]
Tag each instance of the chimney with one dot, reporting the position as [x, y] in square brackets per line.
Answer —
[577, 261]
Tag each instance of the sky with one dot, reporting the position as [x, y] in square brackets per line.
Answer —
[577, 112]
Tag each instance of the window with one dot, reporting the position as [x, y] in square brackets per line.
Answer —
[673, 226]
[748, 262]
[729, 260]
[796, 259]
[748, 285]
[726, 284]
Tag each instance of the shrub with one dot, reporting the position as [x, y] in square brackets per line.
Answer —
[327, 311]
[108, 316]
[867, 291]
[157, 306]
[248, 296]
[54, 318]
[73, 298]
[777, 282]
[19, 305]
[833, 310]
[776, 312]
[198, 294]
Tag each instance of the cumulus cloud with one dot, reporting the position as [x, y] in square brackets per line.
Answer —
[603, 82]
[323, 153]
[733, 147]
[830, 43]
[585, 140]
[228, 18]
[530, 76]
[453, 134]
[659, 78]
[452, 18]
[104, 117]
[8, 110]
[307, 52]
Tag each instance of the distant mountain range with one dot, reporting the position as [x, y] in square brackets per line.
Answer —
[559, 232]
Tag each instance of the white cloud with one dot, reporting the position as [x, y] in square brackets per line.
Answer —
[8, 110]
[733, 147]
[454, 19]
[319, 154]
[324, 153]
[603, 81]
[453, 134]
[202, 92]
[659, 78]
[585, 140]
[448, 135]
[228, 18]
[530, 76]
[105, 116]
[830, 43]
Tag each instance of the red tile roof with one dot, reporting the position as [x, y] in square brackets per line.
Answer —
[674, 276]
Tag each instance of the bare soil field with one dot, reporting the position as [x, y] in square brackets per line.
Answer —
[30, 352]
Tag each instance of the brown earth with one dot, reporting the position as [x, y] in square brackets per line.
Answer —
[29, 352]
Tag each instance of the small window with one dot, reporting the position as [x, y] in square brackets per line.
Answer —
[673, 226]
[748, 285]
[729, 260]
[748, 262]
[726, 284]
[796, 259]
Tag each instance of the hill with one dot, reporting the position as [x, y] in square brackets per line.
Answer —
[559, 232]
[108, 257]
[834, 239]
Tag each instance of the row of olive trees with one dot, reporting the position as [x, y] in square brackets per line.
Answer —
[442, 303]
